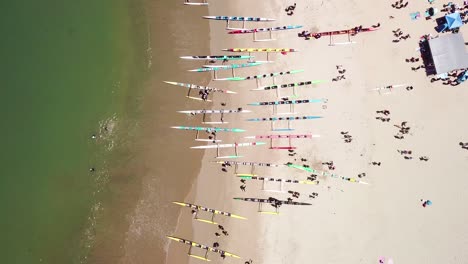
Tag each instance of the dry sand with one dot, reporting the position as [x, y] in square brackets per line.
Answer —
[348, 222]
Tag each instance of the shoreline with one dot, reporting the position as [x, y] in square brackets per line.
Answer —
[164, 180]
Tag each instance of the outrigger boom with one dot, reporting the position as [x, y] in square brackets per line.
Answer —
[211, 130]
[220, 111]
[281, 181]
[213, 212]
[204, 247]
[234, 145]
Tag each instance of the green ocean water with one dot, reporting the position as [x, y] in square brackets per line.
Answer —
[69, 69]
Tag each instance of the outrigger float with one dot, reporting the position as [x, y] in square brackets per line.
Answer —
[287, 118]
[277, 87]
[239, 19]
[283, 51]
[211, 130]
[388, 89]
[232, 67]
[261, 30]
[221, 111]
[289, 137]
[234, 145]
[199, 87]
[273, 201]
[281, 181]
[350, 32]
[324, 173]
[213, 212]
[291, 104]
[247, 163]
[204, 247]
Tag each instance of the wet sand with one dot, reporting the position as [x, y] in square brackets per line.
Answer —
[348, 222]
[140, 214]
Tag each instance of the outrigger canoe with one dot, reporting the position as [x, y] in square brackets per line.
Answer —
[236, 18]
[259, 30]
[199, 87]
[209, 129]
[282, 50]
[352, 31]
[287, 118]
[282, 136]
[274, 87]
[247, 163]
[259, 200]
[260, 76]
[209, 210]
[218, 57]
[220, 111]
[235, 145]
[277, 180]
[204, 247]
[226, 67]
[289, 102]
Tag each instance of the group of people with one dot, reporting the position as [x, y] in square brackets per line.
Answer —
[341, 72]
[204, 94]
[294, 194]
[224, 166]
[330, 165]
[290, 9]
[398, 34]
[275, 202]
[384, 112]
[347, 137]
[399, 4]
[404, 130]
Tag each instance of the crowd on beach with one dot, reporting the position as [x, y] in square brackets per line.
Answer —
[382, 115]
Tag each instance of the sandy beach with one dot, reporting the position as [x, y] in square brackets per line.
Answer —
[347, 222]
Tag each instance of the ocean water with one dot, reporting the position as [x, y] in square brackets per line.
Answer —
[69, 69]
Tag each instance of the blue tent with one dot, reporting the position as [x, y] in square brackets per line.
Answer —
[454, 20]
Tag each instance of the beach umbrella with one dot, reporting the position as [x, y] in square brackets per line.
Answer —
[454, 20]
